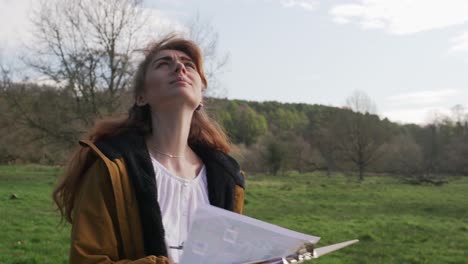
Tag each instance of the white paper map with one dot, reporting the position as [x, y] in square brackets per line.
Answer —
[218, 236]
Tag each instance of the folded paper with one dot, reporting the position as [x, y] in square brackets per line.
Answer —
[219, 236]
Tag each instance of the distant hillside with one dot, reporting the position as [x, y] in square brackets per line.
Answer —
[41, 124]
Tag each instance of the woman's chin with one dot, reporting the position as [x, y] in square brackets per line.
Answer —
[176, 104]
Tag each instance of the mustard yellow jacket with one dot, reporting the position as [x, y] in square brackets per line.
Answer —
[116, 217]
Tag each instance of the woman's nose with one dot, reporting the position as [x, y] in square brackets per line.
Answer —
[180, 67]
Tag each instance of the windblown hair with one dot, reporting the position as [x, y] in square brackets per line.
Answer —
[203, 129]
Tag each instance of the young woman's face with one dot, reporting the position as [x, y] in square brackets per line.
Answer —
[172, 82]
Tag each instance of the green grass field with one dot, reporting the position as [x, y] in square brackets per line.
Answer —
[396, 223]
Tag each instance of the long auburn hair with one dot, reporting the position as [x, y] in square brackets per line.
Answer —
[203, 129]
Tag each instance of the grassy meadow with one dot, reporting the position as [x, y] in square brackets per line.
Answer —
[396, 223]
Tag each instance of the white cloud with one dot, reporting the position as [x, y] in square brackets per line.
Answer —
[341, 20]
[419, 115]
[402, 16]
[460, 42]
[15, 22]
[306, 4]
[423, 97]
[159, 23]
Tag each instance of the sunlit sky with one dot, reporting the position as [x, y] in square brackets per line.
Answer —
[410, 57]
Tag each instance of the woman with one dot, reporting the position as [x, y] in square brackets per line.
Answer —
[131, 189]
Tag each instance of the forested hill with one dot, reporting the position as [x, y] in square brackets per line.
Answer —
[307, 137]
[41, 124]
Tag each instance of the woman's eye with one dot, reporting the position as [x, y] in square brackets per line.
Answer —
[190, 64]
[161, 64]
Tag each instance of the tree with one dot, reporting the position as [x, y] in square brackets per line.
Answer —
[454, 155]
[404, 157]
[360, 102]
[88, 50]
[243, 123]
[284, 119]
[458, 113]
[323, 135]
[276, 153]
[203, 33]
[303, 156]
[325, 142]
[359, 133]
[86, 47]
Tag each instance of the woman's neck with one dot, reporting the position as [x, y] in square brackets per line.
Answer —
[170, 137]
[170, 132]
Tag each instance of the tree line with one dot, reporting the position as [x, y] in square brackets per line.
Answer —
[39, 124]
[277, 138]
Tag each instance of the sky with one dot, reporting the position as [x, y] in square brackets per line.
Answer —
[409, 56]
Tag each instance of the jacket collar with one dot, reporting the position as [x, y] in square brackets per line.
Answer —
[222, 171]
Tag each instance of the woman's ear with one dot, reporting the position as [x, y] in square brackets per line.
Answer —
[140, 100]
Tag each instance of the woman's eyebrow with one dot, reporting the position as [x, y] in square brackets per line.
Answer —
[169, 58]
[165, 58]
[185, 58]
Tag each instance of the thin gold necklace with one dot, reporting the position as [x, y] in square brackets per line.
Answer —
[168, 155]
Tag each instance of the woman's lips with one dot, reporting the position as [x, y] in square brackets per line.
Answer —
[180, 79]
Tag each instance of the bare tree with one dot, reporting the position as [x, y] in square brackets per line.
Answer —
[404, 156]
[359, 133]
[360, 102]
[85, 51]
[326, 143]
[205, 35]
[458, 113]
[85, 47]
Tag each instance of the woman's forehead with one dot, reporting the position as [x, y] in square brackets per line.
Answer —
[171, 53]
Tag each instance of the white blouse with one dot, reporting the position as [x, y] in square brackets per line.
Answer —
[178, 199]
